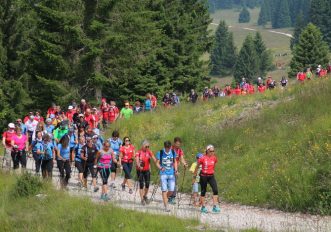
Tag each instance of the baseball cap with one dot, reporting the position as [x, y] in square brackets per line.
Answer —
[70, 107]
[80, 115]
[11, 125]
[209, 147]
[94, 137]
[199, 155]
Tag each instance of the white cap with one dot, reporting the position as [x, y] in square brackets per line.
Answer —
[209, 147]
[11, 125]
[70, 107]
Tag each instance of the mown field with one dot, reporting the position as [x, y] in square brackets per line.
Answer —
[273, 148]
[277, 43]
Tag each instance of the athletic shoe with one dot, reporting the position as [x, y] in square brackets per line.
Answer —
[112, 185]
[146, 200]
[216, 209]
[102, 197]
[166, 209]
[130, 191]
[96, 189]
[143, 202]
[123, 187]
[106, 198]
[204, 209]
[172, 201]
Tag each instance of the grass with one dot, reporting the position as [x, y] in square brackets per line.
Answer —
[60, 212]
[278, 44]
[278, 157]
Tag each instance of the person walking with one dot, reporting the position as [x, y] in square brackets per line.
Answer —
[7, 137]
[20, 146]
[127, 152]
[63, 160]
[88, 154]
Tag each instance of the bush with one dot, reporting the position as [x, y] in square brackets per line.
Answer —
[27, 185]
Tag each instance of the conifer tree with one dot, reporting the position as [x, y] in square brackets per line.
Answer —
[223, 55]
[310, 50]
[320, 15]
[244, 16]
[264, 15]
[247, 65]
[281, 16]
[263, 55]
[299, 25]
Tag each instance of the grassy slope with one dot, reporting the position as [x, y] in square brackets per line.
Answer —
[277, 43]
[280, 158]
[60, 212]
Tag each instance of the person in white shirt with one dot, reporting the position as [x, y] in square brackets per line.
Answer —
[31, 126]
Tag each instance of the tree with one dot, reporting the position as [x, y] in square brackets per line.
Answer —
[310, 51]
[247, 65]
[264, 15]
[263, 55]
[299, 25]
[223, 55]
[244, 16]
[320, 15]
[281, 16]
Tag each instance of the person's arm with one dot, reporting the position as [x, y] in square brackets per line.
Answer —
[183, 161]
[153, 158]
[114, 158]
[96, 159]
[175, 166]
[83, 155]
[26, 145]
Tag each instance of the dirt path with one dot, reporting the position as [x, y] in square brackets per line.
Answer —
[232, 216]
[252, 29]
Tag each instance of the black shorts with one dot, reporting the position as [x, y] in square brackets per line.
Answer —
[204, 180]
[144, 178]
[113, 167]
[90, 169]
[104, 173]
[47, 166]
[79, 167]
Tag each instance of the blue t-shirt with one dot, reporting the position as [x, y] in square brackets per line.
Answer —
[167, 162]
[78, 149]
[49, 129]
[72, 143]
[37, 145]
[148, 104]
[98, 144]
[116, 145]
[64, 152]
[23, 128]
[48, 147]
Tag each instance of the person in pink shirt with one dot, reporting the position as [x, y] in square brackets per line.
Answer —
[6, 142]
[20, 145]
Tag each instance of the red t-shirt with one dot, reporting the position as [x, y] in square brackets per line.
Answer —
[105, 110]
[8, 137]
[51, 111]
[69, 115]
[128, 153]
[113, 112]
[237, 91]
[39, 118]
[145, 157]
[153, 101]
[179, 153]
[208, 164]
[261, 89]
[90, 120]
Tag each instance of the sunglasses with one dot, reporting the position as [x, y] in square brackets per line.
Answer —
[146, 146]
[211, 151]
[127, 140]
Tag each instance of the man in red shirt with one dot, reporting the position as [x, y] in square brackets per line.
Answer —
[70, 113]
[52, 110]
[104, 108]
[89, 118]
[261, 88]
[180, 159]
[7, 143]
[113, 112]
[38, 117]
[143, 159]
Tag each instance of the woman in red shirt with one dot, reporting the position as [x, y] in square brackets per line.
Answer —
[127, 152]
[208, 162]
[143, 159]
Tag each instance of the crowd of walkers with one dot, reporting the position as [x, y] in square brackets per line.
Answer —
[72, 139]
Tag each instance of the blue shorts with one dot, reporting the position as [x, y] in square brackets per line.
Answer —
[167, 183]
[195, 188]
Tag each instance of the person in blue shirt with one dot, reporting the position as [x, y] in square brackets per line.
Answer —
[167, 164]
[37, 147]
[115, 145]
[49, 126]
[63, 160]
[48, 157]
[148, 102]
[78, 159]
[97, 142]
[72, 141]
[22, 126]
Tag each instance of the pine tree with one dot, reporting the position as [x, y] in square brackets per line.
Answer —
[264, 15]
[281, 16]
[247, 65]
[244, 16]
[223, 55]
[300, 24]
[320, 15]
[263, 55]
[310, 51]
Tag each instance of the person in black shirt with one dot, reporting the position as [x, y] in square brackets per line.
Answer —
[193, 97]
[88, 154]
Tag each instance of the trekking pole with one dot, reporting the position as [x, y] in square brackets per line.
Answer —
[136, 186]
[155, 188]
[181, 187]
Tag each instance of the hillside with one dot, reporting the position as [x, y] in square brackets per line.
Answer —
[273, 149]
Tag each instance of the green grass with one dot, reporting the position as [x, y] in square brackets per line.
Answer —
[60, 212]
[279, 158]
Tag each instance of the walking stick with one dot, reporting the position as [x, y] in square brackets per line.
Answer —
[181, 188]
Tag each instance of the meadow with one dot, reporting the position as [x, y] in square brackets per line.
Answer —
[277, 43]
[273, 148]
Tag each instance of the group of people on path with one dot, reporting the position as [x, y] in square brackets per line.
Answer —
[72, 140]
